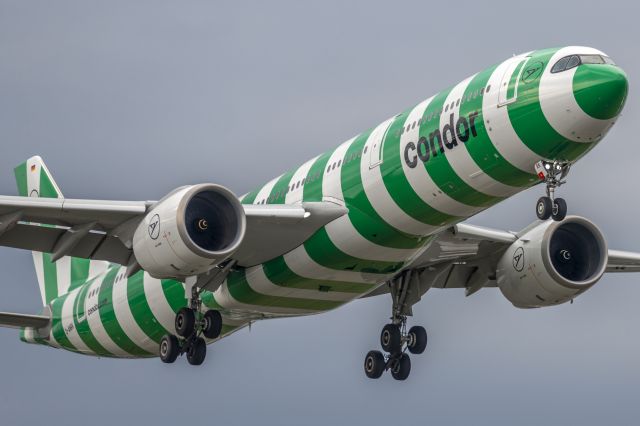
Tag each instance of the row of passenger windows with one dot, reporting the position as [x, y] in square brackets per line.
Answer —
[283, 192]
[312, 178]
[453, 104]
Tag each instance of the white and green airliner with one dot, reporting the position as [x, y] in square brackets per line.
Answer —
[383, 213]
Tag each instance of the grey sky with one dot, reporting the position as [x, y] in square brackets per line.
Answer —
[127, 100]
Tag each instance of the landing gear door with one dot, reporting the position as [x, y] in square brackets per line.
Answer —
[509, 83]
[375, 142]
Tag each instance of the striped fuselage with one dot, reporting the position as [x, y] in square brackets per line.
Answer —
[436, 164]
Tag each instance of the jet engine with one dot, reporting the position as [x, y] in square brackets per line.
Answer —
[552, 263]
[190, 231]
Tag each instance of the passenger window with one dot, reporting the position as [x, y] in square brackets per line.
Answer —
[339, 163]
[365, 149]
[488, 88]
[446, 108]
[458, 102]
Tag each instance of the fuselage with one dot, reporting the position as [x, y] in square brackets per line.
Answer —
[403, 181]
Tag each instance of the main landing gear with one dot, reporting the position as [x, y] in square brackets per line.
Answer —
[190, 326]
[394, 338]
[553, 174]
[395, 341]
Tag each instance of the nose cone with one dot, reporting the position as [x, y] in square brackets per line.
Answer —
[600, 90]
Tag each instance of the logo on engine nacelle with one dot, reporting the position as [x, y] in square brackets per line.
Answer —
[154, 227]
[518, 259]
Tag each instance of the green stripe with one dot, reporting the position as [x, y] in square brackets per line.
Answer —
[47, 190]
[108, 316]
[363, 216]
[438, 165]
[141, 310]
[79, 272]
[532, 127]
[481, 148]
[250, 197]
[279, 273]
[398, 185]
[241, 291]
[57, 329]
[20, 173]
[174, 293]
[83, 327]
[50, 278]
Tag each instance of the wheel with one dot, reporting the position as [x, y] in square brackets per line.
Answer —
[559, 209]
[212, 324]
[185, 322]
[374, 364]
[169, 348]
[197, 352]
[390, 338]
[417, 339]
[402, 368]
[543, 208]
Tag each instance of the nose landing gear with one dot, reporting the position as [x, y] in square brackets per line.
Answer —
[553, 173]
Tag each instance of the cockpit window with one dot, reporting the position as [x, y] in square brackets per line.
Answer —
[573, 61]
[559, 66]
[591, 59]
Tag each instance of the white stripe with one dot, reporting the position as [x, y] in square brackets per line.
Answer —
[125, 318]
[97, 267]
[295, 196]
[499, 127]
[460, 159]
[260, 283]
[68, 324]
[158, 302]
[33, 177]
[263, 194]
[95, 323]
[419, 178]
[301, 264]
[224, 299]
[559, 104]
[377, 193]
[63, 274]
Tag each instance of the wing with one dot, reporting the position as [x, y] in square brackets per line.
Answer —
[23, 320]
[466, 256]
[103, 230]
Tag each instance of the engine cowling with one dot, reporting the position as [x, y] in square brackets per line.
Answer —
[552, 263]
[189, 231]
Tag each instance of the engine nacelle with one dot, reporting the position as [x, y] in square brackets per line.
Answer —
[189, 231]
[552, 263]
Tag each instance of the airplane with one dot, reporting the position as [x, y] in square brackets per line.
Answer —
[381, 214]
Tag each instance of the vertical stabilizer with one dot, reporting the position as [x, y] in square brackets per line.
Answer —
[54, 278]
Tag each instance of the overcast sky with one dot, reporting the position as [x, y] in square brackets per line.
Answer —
[129, 99]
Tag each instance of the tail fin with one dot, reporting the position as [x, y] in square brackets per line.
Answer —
[54, 278]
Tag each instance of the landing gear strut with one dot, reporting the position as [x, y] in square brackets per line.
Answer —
[553, 173]
[190, 327]
[394, 338]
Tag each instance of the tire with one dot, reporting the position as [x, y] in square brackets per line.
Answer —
[559, 209]
[402, 368]
[197, 352]
[544, 208]
[212, 324]
[417, 340]
[169, 348]
[374, 364]
[390, 338]
[185, 322]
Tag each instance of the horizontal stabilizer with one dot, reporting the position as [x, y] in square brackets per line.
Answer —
[8, 319]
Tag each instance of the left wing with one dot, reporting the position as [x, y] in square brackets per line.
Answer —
[103, 230]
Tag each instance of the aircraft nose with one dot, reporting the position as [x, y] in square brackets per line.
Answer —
[600, 90]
